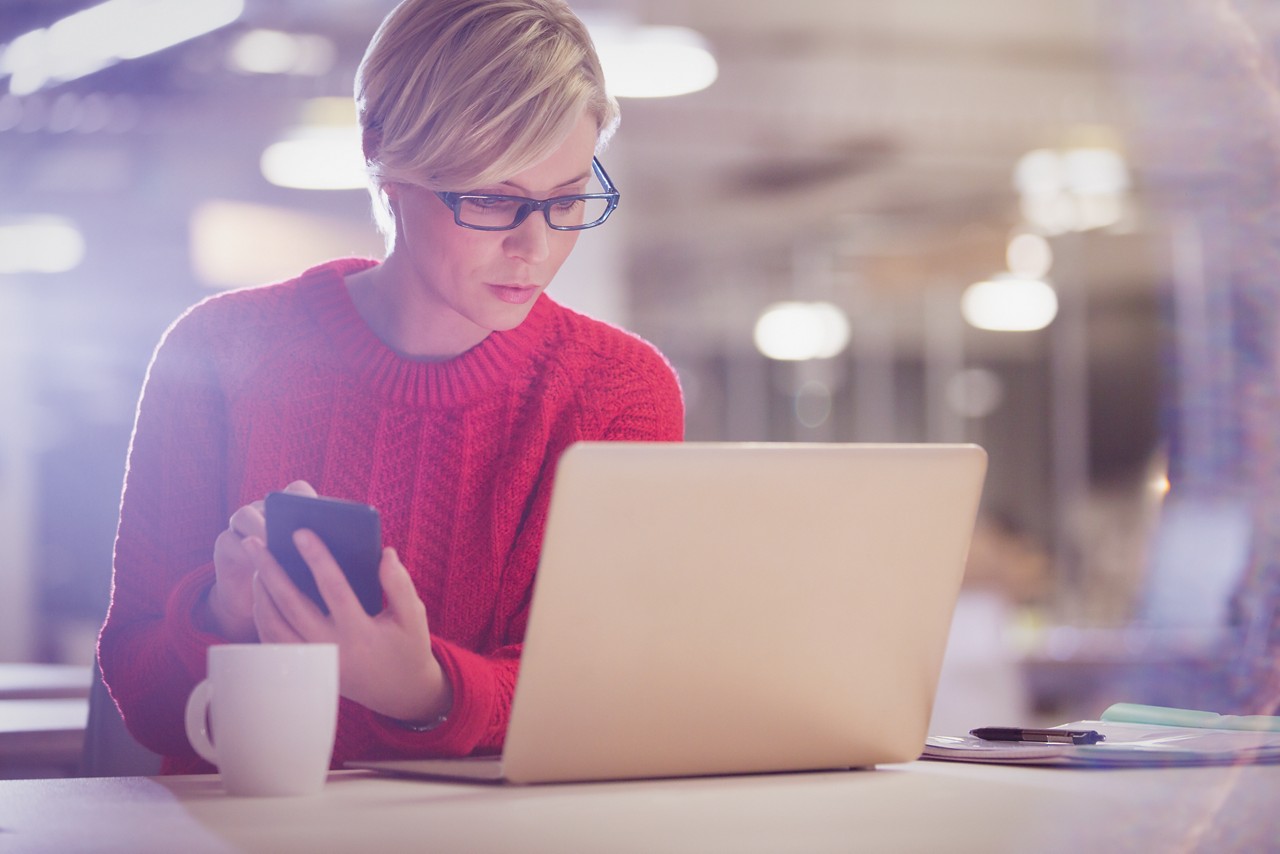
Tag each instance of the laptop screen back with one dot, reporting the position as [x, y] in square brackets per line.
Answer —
[731, 608]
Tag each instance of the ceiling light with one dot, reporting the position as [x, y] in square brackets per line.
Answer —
[1095, 171]
[1029, 256]
[40, 244]
[316, 159]
[799, 331]
[1072, 189]
[651, 61]
[1008, 303]
[321, 153]
[103, 35]
[1040, 173]
[276, 52]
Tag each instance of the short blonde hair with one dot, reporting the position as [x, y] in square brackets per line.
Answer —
[455, 94]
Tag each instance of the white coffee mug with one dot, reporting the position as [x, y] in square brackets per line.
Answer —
[267, 715]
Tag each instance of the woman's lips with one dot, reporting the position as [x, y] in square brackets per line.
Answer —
[515, 294]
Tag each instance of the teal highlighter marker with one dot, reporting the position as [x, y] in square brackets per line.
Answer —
[1136, 713]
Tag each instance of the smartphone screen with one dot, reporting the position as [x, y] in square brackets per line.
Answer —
[352, 531]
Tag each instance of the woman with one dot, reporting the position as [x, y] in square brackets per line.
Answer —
[440, 385]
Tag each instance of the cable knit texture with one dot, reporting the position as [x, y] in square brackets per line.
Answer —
[253, 389]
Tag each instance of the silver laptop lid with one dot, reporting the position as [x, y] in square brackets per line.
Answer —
[711, 608]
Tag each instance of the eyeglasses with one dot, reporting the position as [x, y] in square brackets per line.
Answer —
[486, 212]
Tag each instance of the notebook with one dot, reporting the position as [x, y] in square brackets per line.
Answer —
[732, 608]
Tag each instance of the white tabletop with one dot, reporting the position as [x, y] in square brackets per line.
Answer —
[921, 806]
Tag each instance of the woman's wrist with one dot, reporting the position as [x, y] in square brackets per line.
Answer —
[224, 623]
[440, 708]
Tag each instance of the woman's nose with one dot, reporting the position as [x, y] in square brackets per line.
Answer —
[529, 241]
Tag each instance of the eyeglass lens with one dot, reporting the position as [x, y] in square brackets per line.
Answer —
[489, 212]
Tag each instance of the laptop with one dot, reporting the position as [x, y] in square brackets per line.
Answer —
[734, 608]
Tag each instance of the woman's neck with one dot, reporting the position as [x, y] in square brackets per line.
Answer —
[405, 318]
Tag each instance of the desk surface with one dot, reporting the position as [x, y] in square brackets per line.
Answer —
[921, 806]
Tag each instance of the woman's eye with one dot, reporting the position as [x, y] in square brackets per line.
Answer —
[485, 202]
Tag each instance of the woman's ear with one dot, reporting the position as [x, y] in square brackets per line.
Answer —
[371, 143]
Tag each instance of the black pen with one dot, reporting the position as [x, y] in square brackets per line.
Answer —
[1041, 736]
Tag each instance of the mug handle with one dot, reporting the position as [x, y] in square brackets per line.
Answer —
[197, 721]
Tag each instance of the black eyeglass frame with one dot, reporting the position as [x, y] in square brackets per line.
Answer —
[527, 206]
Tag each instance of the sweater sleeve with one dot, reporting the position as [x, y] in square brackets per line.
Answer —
[649, 406]
[152, 648]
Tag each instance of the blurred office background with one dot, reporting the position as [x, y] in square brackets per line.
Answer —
[1038, 225]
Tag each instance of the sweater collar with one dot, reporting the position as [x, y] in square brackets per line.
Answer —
[495, 362]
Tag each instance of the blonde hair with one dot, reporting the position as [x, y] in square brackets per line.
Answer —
[455, 94]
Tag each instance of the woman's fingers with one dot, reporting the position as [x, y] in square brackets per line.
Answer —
[301, 487]
[272, 625]
[403, 603]
[232, 599]
[249, 521]
[334, 588]
[387, 662]
[290, 603]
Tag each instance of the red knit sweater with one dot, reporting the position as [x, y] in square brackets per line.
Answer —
[252, 389]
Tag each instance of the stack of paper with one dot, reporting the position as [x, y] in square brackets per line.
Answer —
[1134, 735]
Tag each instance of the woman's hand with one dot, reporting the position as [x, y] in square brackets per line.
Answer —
[385, 661]
[231, 598]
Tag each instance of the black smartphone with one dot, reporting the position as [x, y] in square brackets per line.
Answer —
[351, 530]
